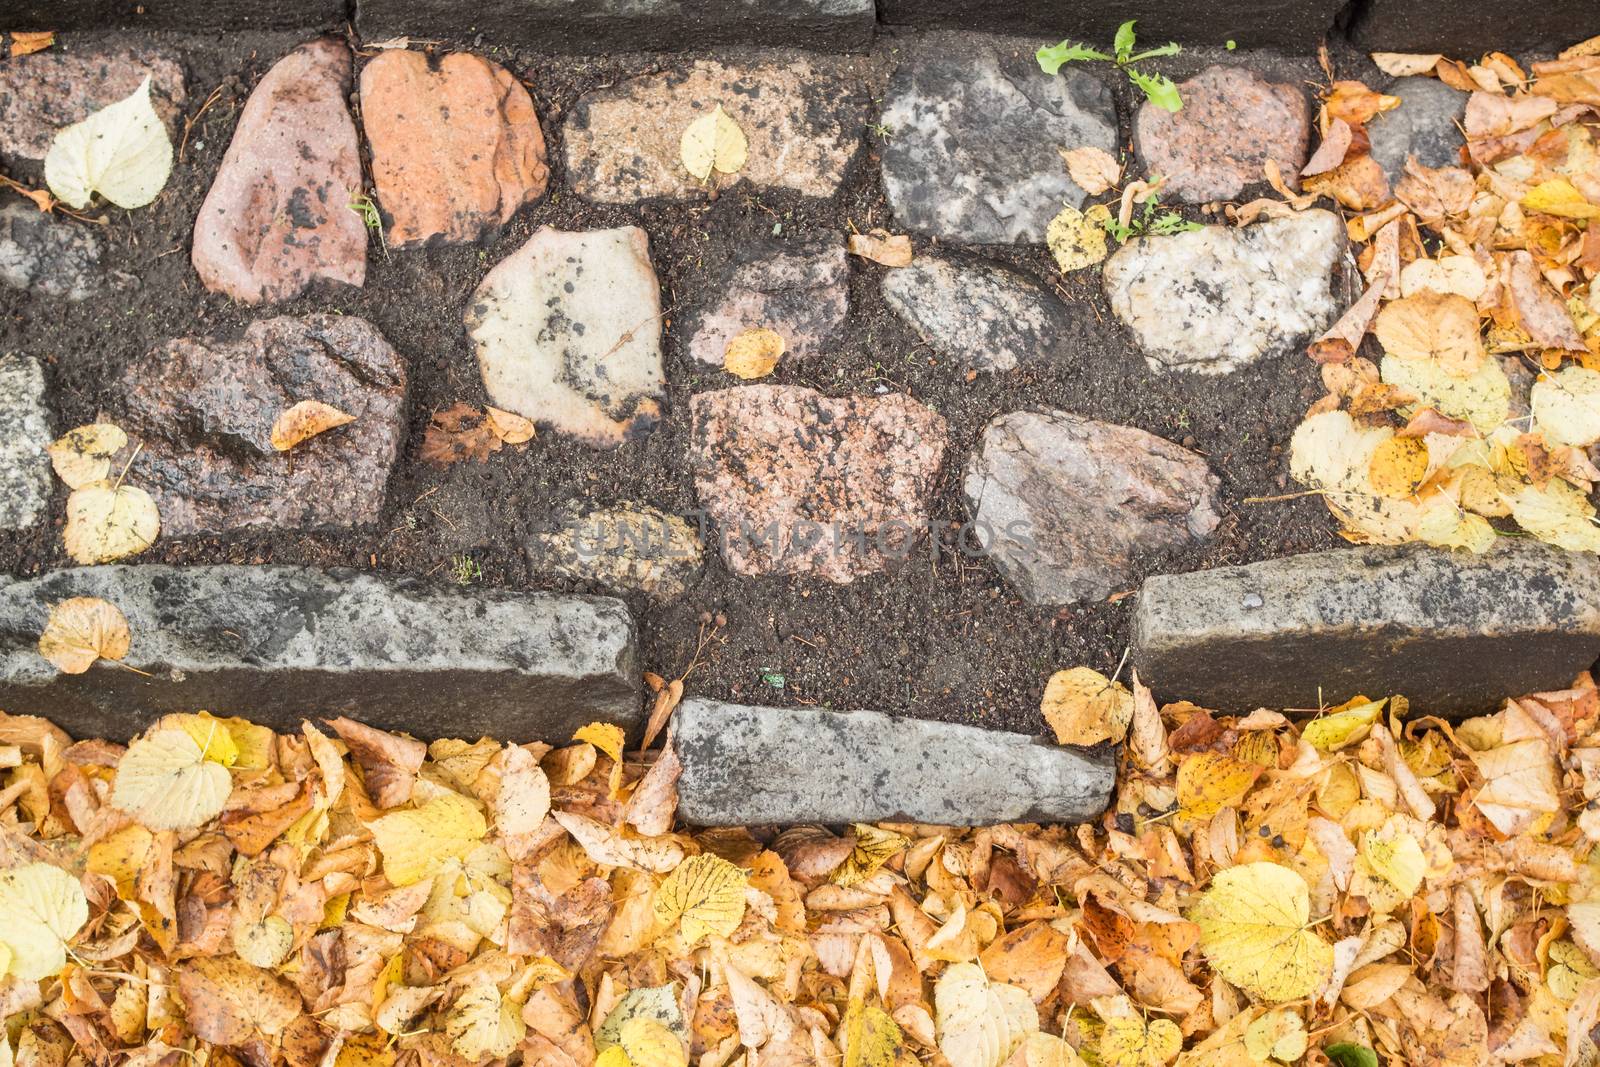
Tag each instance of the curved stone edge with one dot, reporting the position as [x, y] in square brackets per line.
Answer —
[1453, 632]
[279, 644]
[752, 765]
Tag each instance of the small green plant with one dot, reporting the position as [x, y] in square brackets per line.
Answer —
[466, 569]
[1157, 88]
[364, 206]
[1151, 221]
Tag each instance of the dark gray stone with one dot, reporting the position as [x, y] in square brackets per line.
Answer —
[744, 765]
[1466, 29]
[46, 255]
[1425, 125]
[1455, 633]
[983, 315]
[178, 15]
[622, 25]
[800, 289]
[281, 643]
[1070, 508]
[1285, 24]
[24, 441]
[972, 136]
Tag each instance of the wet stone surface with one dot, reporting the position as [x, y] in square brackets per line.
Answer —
[627, 547]
[1071, 507]
[799, 289]
[972, 138]
[982, 315]
[278, 215]
[1425, 125]
[800, 483]
[42, 92]
[48, 255]
[456, 147]
[1232, 122]
[748, 766]
[802, 120]
[1219, 298]
[270, 642]
[203, 409]
[568, 333]
[24, 464]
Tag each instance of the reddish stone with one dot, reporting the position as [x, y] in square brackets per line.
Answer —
[42, 92]
[202, 409]
[1232, 122]
[279, 215]
[800, 483]
[455, 150]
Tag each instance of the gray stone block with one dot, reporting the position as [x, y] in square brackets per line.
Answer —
[178, 15]
[629, 25]
[744, 765]
[277, 644]
[24, 443]
[1284, 24]
[1455, 633]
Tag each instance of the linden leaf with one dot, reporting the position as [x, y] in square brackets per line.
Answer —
[1557, 513]
[650, 1044]
[305, 420]
[82, 630]
[264, 944]
[611, 847]
[871, 1038]
[753, 353]
[1560, 197]
[1566, 406]
[1398, 466]
[650, 1002]
[1396, 857]
[227, 1001]
[1442, 328]
[1254, 931]
[872, 850]
[211, 734]
[44, 907]
[83, 455]
[121, 152]
[166, 783]
[1211, 781]
[1094, 170]
[1084, 707]
[704, 895]
[1278, 1035]
[1343, 727]
[980, 1023]
[882, 247]
[108, 522]
[483, 1024]
[1078, 238]
[1131, 1042]
[713, 142]
[418, 842]
[1045, 1050]
[1483, 397]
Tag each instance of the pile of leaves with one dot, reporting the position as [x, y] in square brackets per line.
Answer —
[1262, 892]
[1480, 293]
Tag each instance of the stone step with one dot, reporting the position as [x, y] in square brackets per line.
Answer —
[746, 765]
[278, 644]
[1455, 633]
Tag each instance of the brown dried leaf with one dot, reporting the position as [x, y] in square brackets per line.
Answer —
[880, 246]
[389, 763]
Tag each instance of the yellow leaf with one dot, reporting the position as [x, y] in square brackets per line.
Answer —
[1482, 397]
[483, 1024]
[704, 895]
[1441, 328]
[1566, 406]
[43, 907]
[418, 842]
[1084, 707]
[27, 42]
[121, 152]
[106, 522]
[1045, 1050]
[1211, 781]
[82, 630]
[1279, 1035]
[606, 737]
[1398, 466]
[1559, 197]
[1078, 238]
[650, 1044]
[1557, 513]
[872, 850]
[613, 1056]
[1395, 856]
[120, 856]
[871, 1038]
[650, 1002]
[1132, 1042]
[265, 943]
[166, 783]
[1254, 931]
[305, 420]
[211, 734]
[713, 142]
[83, 455]
[1346, 725]
[980, 1023]
[753, 353]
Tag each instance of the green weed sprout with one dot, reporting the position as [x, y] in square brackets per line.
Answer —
[1157, 88]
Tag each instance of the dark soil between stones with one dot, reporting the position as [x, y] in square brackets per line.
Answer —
[940, 637]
